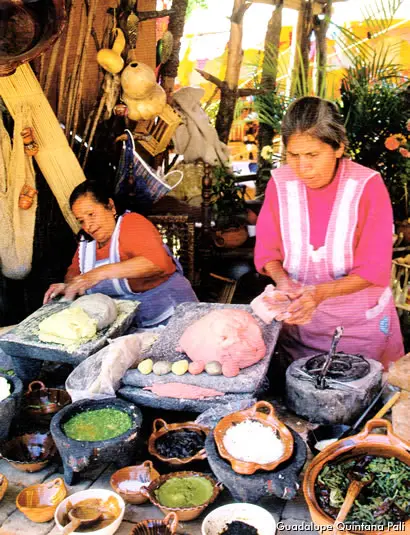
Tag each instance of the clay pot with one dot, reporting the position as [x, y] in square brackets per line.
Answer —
[166, 526]
[41, 401]
[145, 473]
[28, 30]
[183, 513]
[30, 452]
[161, 428]
[269, 420]
[26, 197]
[3, 486]
[364, 443]
[39, 502]
[231, 237]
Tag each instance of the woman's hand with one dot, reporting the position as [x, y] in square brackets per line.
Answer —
[53, 291]
[301, 310]
[293, 289]
[78, 285]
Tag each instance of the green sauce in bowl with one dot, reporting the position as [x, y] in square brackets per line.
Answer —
[184, 492]
[96, 425]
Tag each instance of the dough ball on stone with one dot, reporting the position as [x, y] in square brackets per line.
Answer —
[100, 307]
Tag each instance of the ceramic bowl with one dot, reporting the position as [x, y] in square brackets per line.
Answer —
[30, 452]
[183, 513]
[324, 432]
[98, 494]
[40, 401]
[258, 517]
[268, 419]
[166, 526]
[161, 428]
[145, 473]
[3, 486]
[364, 443]
[39, 502]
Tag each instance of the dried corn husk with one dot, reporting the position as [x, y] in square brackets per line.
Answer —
[167, 44]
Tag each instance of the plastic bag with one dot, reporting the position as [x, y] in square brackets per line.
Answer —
[99, 376]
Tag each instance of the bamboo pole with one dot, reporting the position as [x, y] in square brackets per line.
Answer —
[51, 66]
[76, 64]
[90, 20]
[63, 70]
[94, 127]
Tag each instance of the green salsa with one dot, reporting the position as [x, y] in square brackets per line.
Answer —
[184, 492]
[101, 424]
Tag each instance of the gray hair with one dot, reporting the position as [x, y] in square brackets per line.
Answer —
[316, 117]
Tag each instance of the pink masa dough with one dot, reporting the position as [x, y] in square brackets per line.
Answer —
[232, 337]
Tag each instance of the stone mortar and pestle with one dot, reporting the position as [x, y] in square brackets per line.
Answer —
[77, 455]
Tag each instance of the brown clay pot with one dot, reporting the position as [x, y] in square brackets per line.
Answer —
[166, 526]
[270, 420]
[160, 428]
[231, 237]
[3, 486]
[30, 452]
[39, 401]
[364, 443]
[28, 29]
[39, 502]
[145, 473]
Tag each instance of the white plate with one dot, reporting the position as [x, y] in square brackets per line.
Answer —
[217, 520]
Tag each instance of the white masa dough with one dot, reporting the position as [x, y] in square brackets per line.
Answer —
[68, 326]
[98, 306]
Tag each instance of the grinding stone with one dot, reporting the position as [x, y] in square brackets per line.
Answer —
[331, 405]
[282, 482]
[249, 379]
[149, 399]
[23, 341]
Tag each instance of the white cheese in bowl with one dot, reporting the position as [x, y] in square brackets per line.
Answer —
[4, 388]
[251, 441]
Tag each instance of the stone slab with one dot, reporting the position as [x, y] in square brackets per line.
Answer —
[149, 399]
[283, 482]
[23, 341]
[185, 315]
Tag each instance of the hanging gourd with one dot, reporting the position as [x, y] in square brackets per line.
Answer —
[110, 59]
[145, 99]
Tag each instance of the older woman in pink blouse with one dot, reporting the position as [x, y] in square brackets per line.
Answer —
[324, 235]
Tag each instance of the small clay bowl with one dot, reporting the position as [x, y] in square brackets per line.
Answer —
[183, 513]
[39, 502]
[166, 526]
[161, 428]
[3, 486]
[145, 473]
[40, 401]
[30, 452]
[325, 432]
[270, 420]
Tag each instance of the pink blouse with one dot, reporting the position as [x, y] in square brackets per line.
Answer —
[372, 239]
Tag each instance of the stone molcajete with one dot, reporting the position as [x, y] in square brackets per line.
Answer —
[77, 455]
[281, 482]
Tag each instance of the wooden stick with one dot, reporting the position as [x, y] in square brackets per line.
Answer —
[77, 60]
[51, 66]
[42, 69]
[63, 70]
[90, 21]
[94, 128]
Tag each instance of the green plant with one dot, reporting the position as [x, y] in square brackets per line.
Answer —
[400, 143]
[228, 203]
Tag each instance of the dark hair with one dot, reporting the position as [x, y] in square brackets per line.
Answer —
[96, 189]
[100, 194]
[316, 117]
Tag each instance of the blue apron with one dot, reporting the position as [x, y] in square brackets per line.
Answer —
[158, 304]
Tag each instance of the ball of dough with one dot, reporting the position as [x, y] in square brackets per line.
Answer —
[229, 369]
[213, 368]
[145, 367]
[180, 367]
[162, 367]
[100, 307]
[197, 367]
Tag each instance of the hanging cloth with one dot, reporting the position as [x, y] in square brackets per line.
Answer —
[17, 225]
